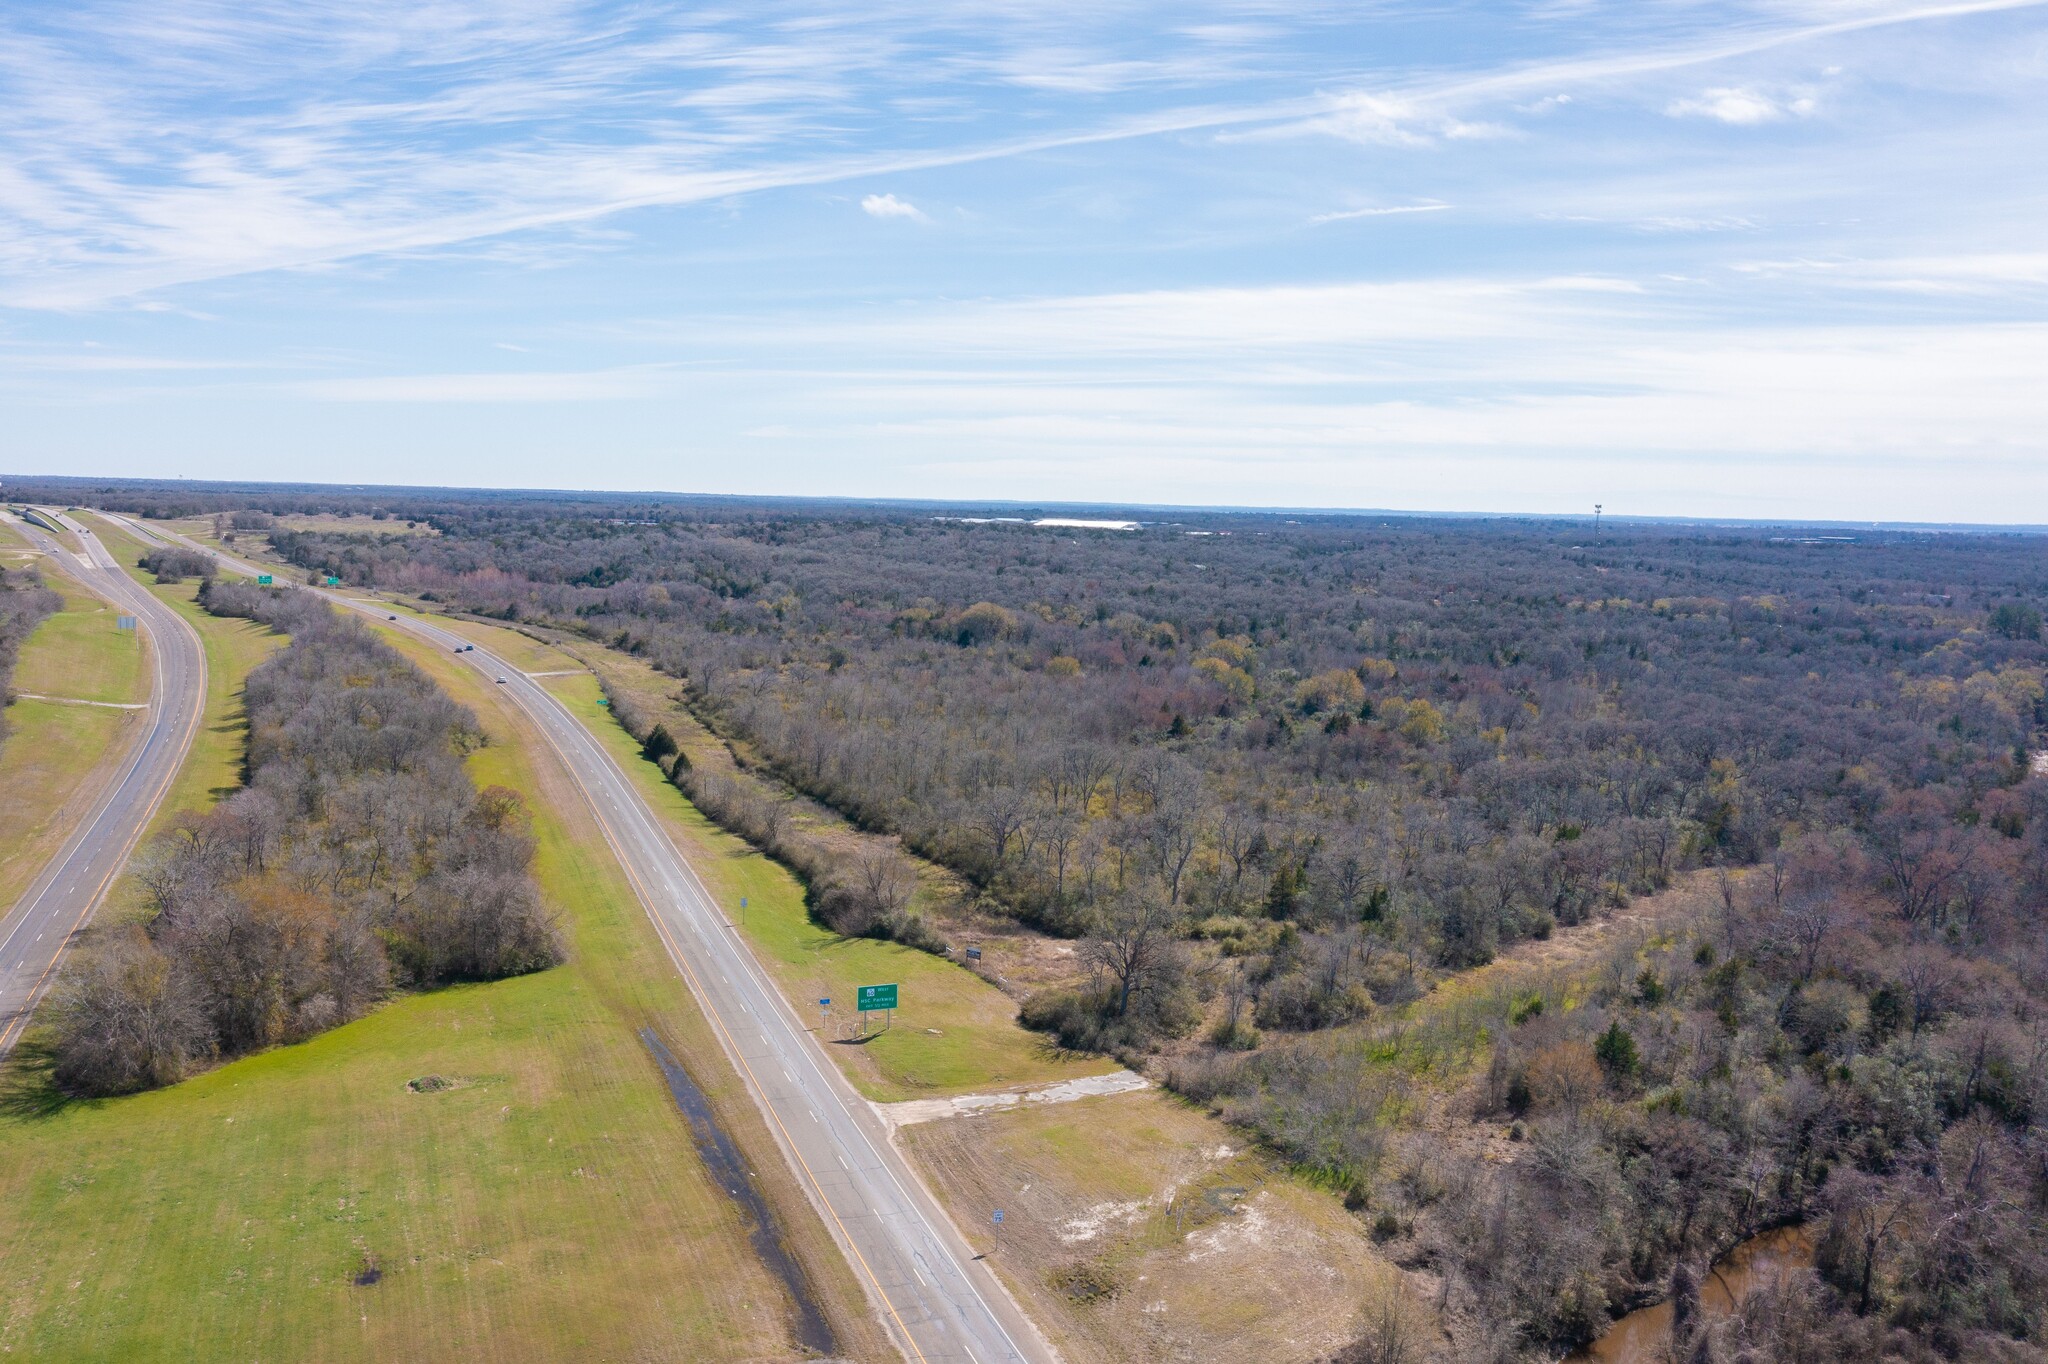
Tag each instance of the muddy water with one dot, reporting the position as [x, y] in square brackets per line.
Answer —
[1640, 1337]
[723, 1159]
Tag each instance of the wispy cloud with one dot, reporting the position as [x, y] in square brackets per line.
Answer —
[151, 145]
[1740, 105]
[1389, 211]
[889, 206]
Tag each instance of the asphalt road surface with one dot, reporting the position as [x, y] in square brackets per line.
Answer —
[939, 1301]
[36, 929]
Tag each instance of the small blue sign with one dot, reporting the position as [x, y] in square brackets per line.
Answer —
[743, 902]
[824, 1003]
[999, 1216]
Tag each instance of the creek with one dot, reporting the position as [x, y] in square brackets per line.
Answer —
[1640, 1337]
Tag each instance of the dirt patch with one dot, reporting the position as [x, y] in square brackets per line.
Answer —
[1137, 1228]
[436, 1084]
[966, 1105]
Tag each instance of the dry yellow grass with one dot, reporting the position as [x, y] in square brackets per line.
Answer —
[1136, 1228]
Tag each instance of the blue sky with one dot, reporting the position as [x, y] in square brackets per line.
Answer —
[1771, 259]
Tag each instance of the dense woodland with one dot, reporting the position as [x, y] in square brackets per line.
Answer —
[1282, 780]
[24, 603]
[357, 857]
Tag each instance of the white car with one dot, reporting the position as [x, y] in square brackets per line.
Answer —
[501, 681]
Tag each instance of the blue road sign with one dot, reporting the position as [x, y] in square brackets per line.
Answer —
[825, 1003]
[999, 1216]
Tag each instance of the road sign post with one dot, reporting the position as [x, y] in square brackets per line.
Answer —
[875, 999]
[263, 580]
[999, 1228]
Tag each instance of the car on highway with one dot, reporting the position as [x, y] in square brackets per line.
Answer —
[501, 681]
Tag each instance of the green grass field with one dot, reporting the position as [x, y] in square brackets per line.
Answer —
[78, 654]
[549, 1206]
[954, 1033]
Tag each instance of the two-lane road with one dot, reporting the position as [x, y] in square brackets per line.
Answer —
[35, 931]
[939, 1301]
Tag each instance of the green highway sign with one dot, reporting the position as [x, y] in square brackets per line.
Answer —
[873, 997]
[334, 582]
[263, 580]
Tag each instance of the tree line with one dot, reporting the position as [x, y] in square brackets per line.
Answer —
[356, 858]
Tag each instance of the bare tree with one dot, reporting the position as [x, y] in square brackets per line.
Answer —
[886, 881]
[1136, 944]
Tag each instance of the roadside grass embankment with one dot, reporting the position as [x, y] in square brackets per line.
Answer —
[537, 1198]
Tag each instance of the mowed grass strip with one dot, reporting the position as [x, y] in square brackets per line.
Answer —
[546, 1205]
[954, 1033]
[78, 654]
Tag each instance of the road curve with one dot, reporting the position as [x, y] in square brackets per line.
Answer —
[35, 931]
[942, 1305]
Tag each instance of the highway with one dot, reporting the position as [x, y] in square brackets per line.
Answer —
[37, 928]
[942, 1305]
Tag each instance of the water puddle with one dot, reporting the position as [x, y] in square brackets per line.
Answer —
[1642, 1335]
[723, 1159]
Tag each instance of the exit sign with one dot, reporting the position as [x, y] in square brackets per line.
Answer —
[263, 580]
[873, 997]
